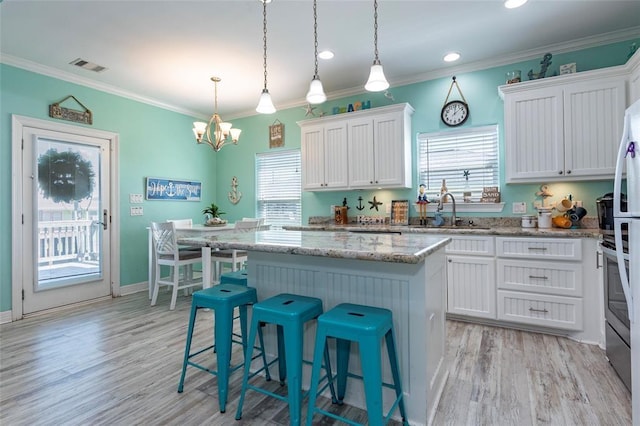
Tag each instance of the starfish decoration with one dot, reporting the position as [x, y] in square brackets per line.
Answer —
[375, 203]
[308, 110]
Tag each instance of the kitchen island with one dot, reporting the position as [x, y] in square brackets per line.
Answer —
[403, 273]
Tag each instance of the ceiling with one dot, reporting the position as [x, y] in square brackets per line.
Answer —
[164, 52]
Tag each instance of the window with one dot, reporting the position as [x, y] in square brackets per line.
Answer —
[449, 155]
[279, 188]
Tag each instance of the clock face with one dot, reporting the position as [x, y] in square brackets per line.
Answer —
[455, 113]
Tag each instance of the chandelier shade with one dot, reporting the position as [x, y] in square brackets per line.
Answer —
[216, 133]
[265, 104]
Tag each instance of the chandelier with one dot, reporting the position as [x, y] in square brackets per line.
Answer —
[315, 95]
[221, 131]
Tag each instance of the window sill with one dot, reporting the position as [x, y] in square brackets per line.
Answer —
[466, 207]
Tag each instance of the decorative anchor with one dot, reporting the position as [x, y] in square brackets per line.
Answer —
[234, 195]
[546, 61]
[375, 203]
[360, 206]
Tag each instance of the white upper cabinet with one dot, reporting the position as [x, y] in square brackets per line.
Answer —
[364, 149]
[564, 128]
[324, 157]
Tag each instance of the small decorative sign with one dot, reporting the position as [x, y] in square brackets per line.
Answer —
[568, 68]
[356, 106]
[490, 194]
[399, 212]
[173, 189]
[276, 134]
[57, 111]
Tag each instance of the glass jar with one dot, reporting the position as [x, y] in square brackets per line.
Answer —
[513, 77]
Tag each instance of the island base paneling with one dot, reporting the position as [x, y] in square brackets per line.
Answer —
[415, 293]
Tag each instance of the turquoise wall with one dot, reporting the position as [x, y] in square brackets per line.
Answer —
[156, 142]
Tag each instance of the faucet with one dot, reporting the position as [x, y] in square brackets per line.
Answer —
[454, 218]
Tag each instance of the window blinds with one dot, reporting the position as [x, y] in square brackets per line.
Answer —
[279, 188]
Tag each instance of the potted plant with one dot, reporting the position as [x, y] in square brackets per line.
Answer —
[212, 214]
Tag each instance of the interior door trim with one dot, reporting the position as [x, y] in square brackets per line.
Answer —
[18, 122]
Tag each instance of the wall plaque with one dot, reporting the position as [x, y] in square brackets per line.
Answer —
[57, 111]
[276, 134]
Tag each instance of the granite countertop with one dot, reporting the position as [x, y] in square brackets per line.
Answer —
[394, 248]
[514, 231]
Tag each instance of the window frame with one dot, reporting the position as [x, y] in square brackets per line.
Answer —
[261, 212]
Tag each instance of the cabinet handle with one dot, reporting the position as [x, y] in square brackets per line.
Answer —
[535, 277]
[560, 172]
[544, 311]
[568, 172]
[449, 260]
[598, 265]
[537, 248]
[370, 181]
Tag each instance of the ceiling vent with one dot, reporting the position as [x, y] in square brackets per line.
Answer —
[88, 65]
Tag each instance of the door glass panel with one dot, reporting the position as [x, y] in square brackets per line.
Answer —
[69, 214]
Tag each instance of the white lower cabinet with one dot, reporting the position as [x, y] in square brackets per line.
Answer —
[471, 282]
[537, 291]
[538, 283]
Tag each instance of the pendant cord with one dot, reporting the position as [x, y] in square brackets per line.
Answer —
[315, 38]
[264, 39]
[376, 61]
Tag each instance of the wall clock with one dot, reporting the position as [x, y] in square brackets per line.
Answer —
[454, 113]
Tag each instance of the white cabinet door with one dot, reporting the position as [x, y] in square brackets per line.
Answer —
[471, 286]
[593, 117]
[534, 142]
[324, 157]
[389, 150]
[312, 150]
[361, 153]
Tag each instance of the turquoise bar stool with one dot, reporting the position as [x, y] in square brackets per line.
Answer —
[367, 326]
[289, 312]
[222, 299]
[235, 277]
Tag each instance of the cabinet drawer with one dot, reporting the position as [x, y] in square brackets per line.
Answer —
[539, 248]
[482, 246]
[541, 310]
[556, 278]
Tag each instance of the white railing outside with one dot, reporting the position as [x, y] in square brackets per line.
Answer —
[68, 240]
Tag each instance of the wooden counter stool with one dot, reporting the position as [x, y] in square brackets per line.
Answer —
[289, 312]
[222, 299]
[367, 326]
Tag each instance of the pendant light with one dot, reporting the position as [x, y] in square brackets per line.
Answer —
[265, 105]
[216, 133]
[377, 81]
[315, 95]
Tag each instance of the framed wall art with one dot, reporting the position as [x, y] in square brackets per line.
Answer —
[173, 189]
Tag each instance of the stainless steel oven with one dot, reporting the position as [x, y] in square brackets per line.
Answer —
[617, 333]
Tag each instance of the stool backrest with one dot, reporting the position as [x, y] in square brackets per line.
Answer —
[164, 238]
[182, 223]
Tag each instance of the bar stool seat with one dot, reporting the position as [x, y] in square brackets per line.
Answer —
[236, 277]
[367, 326]
[222, 299]
[289, 312]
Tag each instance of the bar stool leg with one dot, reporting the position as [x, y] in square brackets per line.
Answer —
[395, 371]
[320, 349]
[343, 348]
[293, 351]
[187, 349]
[247, 365]
[282, 360]
[223, 323]
[370, 359]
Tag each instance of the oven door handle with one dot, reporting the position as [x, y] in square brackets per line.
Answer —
[624, 278]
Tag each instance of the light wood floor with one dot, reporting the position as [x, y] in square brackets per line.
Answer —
[118, 362]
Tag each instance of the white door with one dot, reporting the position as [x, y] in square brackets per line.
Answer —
[65, 213]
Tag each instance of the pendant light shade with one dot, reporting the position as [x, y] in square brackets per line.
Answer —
[315, 95]
[265, 104]
[377, 81]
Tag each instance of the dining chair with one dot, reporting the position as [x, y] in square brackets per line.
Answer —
[236, 258]
[167, 253]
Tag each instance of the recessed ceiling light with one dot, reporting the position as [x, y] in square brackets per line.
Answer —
[450, 57]
[325, 54]
[512, 4]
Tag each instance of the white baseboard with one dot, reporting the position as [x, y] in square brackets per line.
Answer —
[5, 317]
[134, 288]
